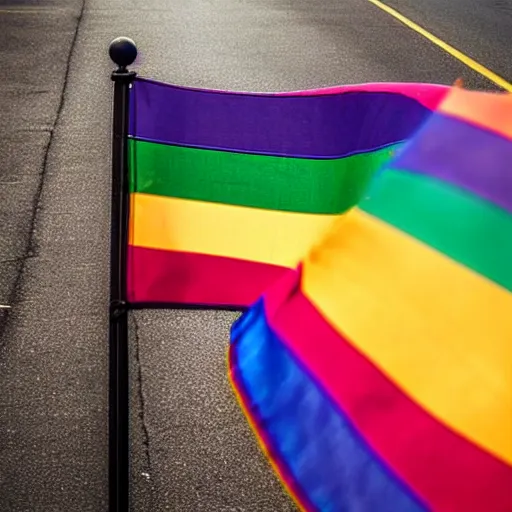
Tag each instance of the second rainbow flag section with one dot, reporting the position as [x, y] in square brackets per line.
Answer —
[378, 374]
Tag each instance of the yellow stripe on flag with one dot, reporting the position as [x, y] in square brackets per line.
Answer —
[252, 234]
[440, 331]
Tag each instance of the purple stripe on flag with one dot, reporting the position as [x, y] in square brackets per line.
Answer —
[318, 126]
[464, 155]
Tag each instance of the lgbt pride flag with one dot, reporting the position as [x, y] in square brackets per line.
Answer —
[378, 375]
[229, 190]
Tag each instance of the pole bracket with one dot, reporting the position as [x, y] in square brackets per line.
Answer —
[118, 308]
[122, 75]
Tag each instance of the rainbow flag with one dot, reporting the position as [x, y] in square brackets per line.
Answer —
[229, 190]
[378, 375]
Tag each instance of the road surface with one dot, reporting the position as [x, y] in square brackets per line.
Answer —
[192, 449]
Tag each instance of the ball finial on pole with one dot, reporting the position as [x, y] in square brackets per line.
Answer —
[123, 52]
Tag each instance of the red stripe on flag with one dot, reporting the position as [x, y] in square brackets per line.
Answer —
[167, 277]
[446, 470]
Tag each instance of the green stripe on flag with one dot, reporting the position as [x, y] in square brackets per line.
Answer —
[464, 227]
[269, 182]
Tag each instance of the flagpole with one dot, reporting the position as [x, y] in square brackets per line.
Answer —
[123, 52]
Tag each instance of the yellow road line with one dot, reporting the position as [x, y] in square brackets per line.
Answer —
[468, 61]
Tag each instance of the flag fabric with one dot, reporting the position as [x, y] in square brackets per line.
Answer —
[229, 190]
[378, 374]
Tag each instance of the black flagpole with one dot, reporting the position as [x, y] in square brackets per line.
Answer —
[123, 53]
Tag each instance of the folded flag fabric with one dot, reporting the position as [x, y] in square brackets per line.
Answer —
[378, 374]
[228, 190]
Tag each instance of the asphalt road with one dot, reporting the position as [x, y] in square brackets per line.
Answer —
[192, 449]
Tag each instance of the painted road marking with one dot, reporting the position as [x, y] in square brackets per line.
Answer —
[468, 61]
